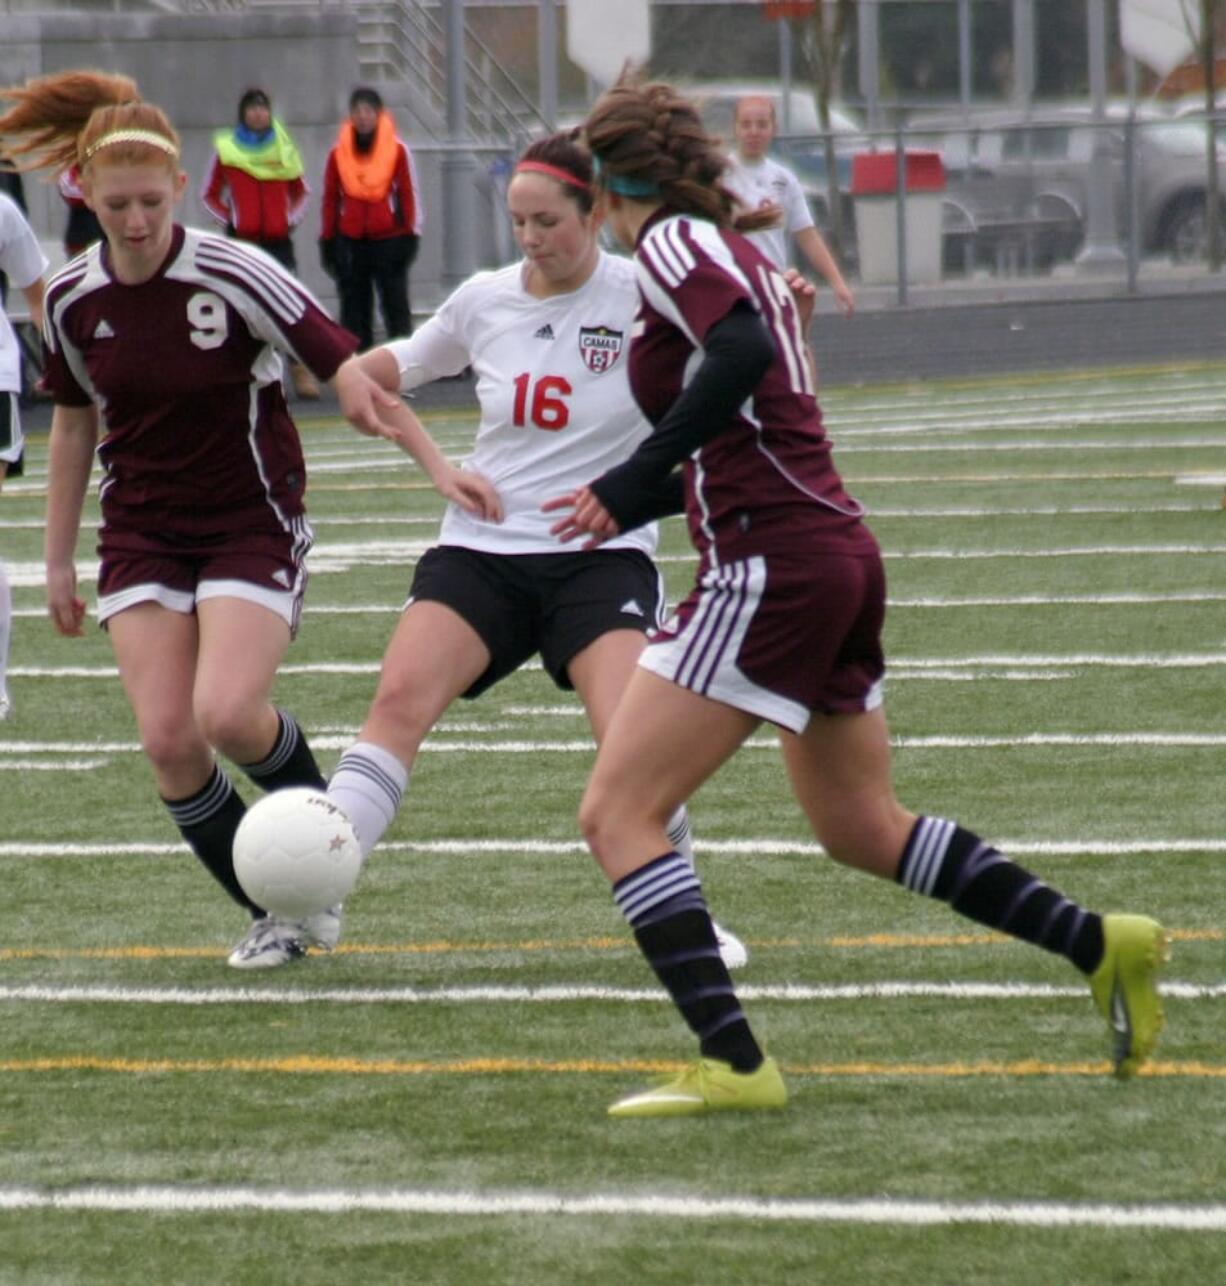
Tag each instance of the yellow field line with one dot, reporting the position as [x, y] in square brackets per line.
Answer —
[886, 941]
[319, 1065]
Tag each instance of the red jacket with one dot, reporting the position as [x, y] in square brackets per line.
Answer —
[257, 209]
[398, 215]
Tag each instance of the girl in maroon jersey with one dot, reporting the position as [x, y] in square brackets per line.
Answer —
[783, 624]
[172, 339]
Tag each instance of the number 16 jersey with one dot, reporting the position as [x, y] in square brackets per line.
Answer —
[556, 407]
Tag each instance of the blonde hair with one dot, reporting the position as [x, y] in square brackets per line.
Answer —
[83, 117]
[646, 132]
[754, 100]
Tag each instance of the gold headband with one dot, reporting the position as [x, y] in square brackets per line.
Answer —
[132, 136]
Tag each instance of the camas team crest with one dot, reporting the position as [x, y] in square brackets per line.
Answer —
[599, 347]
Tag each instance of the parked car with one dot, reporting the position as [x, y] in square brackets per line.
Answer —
[795, 116]
[1018, 184]
[799, 142]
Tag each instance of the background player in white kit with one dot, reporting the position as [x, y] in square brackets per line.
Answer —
[759, 182]
[172, 339]
[548, 340]
[23, 261]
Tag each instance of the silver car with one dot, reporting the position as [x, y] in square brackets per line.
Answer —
[1018, 185]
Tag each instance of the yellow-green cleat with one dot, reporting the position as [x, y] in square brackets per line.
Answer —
[1125, 987]
[708, 1085]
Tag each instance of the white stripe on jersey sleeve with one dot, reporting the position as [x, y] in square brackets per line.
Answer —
[670, 236]
[666, 258]
[272, 286]
[78, 278]
[659, 256]
[709, 241]
[662, 301]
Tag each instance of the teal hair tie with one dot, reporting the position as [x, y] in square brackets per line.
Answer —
[624, 184]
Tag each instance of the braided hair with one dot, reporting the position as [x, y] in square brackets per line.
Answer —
[649, 136]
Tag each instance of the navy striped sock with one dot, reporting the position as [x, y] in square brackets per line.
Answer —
[664, 905]
[289, 762]
[941, 860]
[207, 820]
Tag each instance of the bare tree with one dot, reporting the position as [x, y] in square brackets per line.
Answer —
[825, 43]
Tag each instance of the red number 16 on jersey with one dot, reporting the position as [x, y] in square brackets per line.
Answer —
[548, 410]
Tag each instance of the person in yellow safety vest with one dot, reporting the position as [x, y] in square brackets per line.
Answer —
[256, 190]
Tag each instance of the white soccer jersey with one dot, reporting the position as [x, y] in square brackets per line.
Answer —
[556, 408]
[21, 257]
[754, 184]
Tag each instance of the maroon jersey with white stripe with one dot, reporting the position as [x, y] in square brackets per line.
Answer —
[770, 473]
[186, 372]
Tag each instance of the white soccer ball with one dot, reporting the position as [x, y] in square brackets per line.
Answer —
[295, 853]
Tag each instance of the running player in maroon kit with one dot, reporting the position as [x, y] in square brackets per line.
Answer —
[172, 338]
[783, 625]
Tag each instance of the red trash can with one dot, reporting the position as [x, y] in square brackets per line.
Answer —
[874, 189]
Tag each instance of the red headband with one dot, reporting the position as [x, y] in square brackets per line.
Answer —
[554, 172]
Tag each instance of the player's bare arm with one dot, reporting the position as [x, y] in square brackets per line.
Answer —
[369, 391]
[587, 517]
[33, 294]
[814, 248]
[74, 434]
[368, 386]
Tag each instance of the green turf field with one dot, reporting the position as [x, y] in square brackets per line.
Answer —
[428, 1103]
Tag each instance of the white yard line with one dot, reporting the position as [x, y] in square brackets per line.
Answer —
[331, 558]
[898, 665]
[584, 745]
[946, 422]
[47, 765]
[1137, 599]
[761, 847]
[903, 1212]
[558, 994]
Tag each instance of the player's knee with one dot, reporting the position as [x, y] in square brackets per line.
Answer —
[872, 844]
[594, 821]
[403, 714]
[231, 727]
[170, 747]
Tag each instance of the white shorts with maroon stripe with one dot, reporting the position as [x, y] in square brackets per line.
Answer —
[287, 605]
[780, 636]
[264, 568]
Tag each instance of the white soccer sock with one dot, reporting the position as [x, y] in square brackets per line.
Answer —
[368, 784]
[681, 837]
[6, 616]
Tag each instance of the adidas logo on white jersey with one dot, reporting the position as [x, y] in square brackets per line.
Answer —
[545, 332]
[631, 608]
[103, 330]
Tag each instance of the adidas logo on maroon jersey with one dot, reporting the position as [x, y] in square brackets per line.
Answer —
[103, 330]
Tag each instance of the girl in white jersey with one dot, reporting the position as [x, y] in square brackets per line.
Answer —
[24, 263]
[784, 624]
[547, 339]
[164, 342]
[759, 181]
